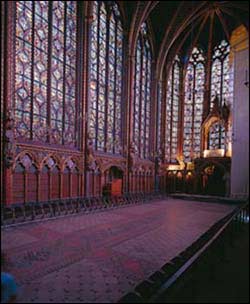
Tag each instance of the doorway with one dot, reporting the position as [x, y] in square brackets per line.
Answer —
[114, 182]
[213, 182]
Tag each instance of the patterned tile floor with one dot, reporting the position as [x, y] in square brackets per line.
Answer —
[99, 257]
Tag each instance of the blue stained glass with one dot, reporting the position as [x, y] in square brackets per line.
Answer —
[107, 76]
[221, 87]
[31, 70]
[172, 111]
[142, 96]
[193, 104]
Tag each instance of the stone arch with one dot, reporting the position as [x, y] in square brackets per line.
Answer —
[206, 125]
[27, 159]
[142, 12]
[109, 166]
[167, 43]
[51, 160]
[210, 162]
[71, 163]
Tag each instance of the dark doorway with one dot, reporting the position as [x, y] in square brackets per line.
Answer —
[212, 180]
[114, 183]
[115, 173]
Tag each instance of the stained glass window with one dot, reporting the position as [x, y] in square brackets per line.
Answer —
[221, 77]
[106, 66]
[172, 111]
[222, 87]
[216, 137]
[159, 113]
[193, 105]
[45, 71]
[142, 93]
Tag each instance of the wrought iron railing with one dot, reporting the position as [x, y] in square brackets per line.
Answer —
[23, 212]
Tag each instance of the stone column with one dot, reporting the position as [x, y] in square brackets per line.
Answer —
[240, 146]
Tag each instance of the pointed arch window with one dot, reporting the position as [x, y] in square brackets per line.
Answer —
[172, 111]
[159, 115]
[222, 88]
[106, 68]
[221, 75]
[45, 103]
[216, 137]
[142, 93]
[193, 105]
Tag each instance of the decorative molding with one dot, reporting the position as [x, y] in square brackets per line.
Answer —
[28, 157]
[10, 140]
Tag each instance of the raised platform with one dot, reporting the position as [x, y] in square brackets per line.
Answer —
[100, 257]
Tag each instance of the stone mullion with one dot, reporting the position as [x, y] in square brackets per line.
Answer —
[32, 71]
[140, 98]
[130, 116]
[50, 19]
[221, 97]
[153, 110]
[145, 104]
[164, 116]
[79, 76]
[208, 77]
[64, 71]
[193, 112]
[8, 89]
[115, 84]
[86, 45]
[172, 108]
[107, 82]
[181, 113]
[98, 75]
[3, 43]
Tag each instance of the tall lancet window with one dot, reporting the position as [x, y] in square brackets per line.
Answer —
[193, 105]
[172, 111]
[221, 76]
[106, 68]
[45, 103]
[142, 96]
[159, 115]
[222, 87]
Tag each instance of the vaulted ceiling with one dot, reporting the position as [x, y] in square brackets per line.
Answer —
[177, 25]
